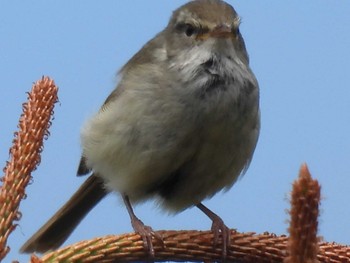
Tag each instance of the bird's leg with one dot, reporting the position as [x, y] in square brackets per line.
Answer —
[146, 232]
[218, 227]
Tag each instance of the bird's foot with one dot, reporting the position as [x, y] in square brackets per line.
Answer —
[147, 234]
[220, 230]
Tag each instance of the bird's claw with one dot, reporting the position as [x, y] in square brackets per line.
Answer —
[219, 229]
[147, 234]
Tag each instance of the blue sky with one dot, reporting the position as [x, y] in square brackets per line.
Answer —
[299, 51]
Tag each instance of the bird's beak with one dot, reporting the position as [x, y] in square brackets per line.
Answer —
[221, 31]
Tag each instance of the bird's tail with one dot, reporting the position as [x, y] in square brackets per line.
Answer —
[64, 221]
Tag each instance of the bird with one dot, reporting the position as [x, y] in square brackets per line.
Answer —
[181, 125]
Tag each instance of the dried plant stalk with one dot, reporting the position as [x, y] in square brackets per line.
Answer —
[193, 246]
[179, 246]
[25, 154]
[303, 241]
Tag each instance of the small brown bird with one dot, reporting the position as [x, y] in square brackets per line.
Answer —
[181, 125]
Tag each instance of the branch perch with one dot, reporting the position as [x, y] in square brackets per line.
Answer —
[191, 246]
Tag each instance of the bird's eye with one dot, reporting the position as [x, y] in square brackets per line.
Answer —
[189, 30]
[237, 31]
[186, 28]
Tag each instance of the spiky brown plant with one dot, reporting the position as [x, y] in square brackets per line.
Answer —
[303, 241]
[25, 154]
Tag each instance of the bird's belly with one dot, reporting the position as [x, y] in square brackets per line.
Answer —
[182, 160]
[222, 155]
